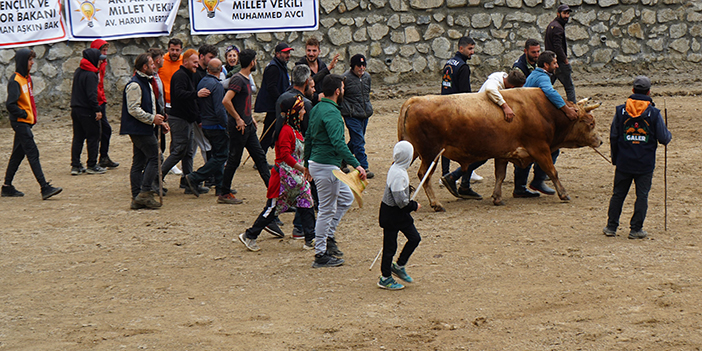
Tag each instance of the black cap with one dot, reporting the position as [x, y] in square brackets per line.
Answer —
[642, 83]
[358, 60]
[283, 47]
[564, 8]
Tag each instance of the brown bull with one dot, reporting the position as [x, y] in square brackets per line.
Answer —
[472, 128]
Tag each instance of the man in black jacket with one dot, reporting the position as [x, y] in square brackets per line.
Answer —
[275, 82]
[23, 116]
[556, 42]
[86, 113]
[318, 69]
[184, 115]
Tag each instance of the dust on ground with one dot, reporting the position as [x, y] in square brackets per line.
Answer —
[83, 271]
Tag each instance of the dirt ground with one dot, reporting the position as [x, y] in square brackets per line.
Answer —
[82, 271]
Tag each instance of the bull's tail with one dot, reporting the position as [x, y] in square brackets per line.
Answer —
[401, 131]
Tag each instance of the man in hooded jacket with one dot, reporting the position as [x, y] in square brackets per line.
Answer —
[23, 116]
[86, 113]
[105, 128]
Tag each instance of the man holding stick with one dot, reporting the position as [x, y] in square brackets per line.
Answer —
[636, 130]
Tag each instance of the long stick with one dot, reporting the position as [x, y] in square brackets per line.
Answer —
[416, 191]
[259, 140]
[160, 172]
[603, 156]
[665, 172]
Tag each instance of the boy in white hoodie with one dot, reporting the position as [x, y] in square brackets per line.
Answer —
[395, 217]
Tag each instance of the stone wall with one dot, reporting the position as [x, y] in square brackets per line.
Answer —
[407, 38]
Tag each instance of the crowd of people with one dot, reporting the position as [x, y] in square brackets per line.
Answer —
[204, 102]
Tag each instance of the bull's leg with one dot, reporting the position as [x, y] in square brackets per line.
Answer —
[546, 163]
[500, 173]
[435, 204]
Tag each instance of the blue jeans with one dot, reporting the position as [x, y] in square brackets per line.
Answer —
[357, 141]
[465, 176]
[622, 183]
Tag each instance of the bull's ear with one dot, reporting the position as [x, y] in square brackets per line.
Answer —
[591, 107]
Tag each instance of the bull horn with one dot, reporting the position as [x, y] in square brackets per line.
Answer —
[583, 101]
[589, 108]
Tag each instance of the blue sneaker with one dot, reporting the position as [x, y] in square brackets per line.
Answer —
[389, 284]
[401, 273]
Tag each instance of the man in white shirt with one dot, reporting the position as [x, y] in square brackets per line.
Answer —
[496, 81]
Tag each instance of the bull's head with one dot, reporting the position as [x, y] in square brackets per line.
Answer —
[583, 133]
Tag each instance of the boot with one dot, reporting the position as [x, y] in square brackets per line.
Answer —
[105, 162]
[146, 199]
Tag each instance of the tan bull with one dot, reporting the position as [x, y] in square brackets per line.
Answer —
[472, 128]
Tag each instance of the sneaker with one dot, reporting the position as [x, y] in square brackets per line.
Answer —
[638, 234]
[468, 193]
[228, 199]
[475, 178]
[369, 174]
[400, 273]
[275, 230]
[279, 222]
[326, 260]
[77, 170]
[49, 191]
[333, 248]
[297, 234]
[450, 185]
[249, 243]
[609, 232]
[308, 245]
[146, 199]
[175, 170]
[389, 284]
[523, 192]
[542, 188]
[105, 162]
[95, 170]
[10, 191]
[192, 186]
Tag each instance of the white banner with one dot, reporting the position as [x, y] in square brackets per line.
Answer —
[119, 19]
[247, 16]
[30, 22]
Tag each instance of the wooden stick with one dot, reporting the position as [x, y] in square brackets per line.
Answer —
[424, 179]
[160, 172]
[603, 156]
[665, 172]
[259, 140]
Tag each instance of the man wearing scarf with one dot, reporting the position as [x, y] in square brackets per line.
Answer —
[23, 116]
[105, 128]
[86, 113]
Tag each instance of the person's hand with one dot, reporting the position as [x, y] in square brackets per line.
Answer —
[240, 125]
[571, 113]
[165, 127]
[158, 119]
[418, 207]
[362, 171]
[308, 176]
[204, 92]
[333, 62]
[509, 114]
[98, 116]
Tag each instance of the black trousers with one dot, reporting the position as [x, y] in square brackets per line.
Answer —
[144, 171]
[390, 247]
[521, 175]
[85, 128]
[267, 216]
[267, 140]
[237, 143]
[622, 183]
[105, 133]
[214, 167]
[24, 145]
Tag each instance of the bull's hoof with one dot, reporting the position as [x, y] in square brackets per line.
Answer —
[438, 208]
[498, 202]
[565, 198]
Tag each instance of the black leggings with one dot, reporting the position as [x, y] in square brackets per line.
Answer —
[390, 247]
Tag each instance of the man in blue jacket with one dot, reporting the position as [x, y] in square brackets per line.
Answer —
[541, 78]
[636, 130]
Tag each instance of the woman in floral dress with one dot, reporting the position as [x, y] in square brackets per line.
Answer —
[288, 186]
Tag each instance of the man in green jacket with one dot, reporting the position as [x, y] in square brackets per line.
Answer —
[325, 149]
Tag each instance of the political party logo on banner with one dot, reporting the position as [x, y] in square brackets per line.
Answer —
[247, 16]
[119, 19]
[30, 22]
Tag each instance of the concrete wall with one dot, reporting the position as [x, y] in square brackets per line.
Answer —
[409, 38]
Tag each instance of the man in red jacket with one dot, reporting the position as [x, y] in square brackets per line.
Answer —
[106, 130]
